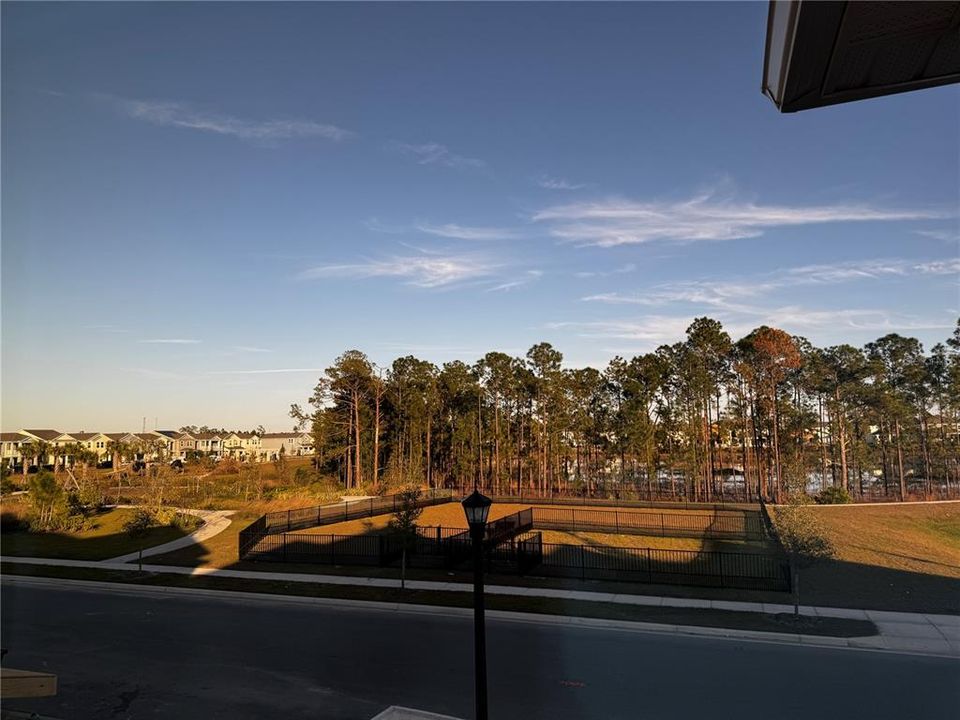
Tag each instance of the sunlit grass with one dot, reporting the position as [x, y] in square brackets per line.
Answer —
[104, 538]
[922, 538]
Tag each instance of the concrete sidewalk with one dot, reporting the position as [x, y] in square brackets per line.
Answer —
[214, 523]
[918, 633]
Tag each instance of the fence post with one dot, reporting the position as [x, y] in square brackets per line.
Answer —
[283, 537]
[583, 562]
[333, 551]
[649, 567]
[288, 519]
[663, 529]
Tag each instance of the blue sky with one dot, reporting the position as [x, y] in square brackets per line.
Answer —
[204, 203]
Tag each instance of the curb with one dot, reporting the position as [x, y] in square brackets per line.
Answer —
[861, 644]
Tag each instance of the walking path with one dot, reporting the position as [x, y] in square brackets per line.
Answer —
[214, 523]
[916, 633]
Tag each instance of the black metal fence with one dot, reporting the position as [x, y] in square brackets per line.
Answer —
[302, 518]
[584, 501]
[526, 553]
[751, 571]
[735, 525]
[510, 546]
[319, 515]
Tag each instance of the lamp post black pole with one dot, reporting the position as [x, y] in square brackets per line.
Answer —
[479, 632]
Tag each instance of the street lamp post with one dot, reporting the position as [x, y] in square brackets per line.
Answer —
[477, 509]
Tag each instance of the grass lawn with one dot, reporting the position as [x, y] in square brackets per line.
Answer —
[921, 538]
[221, 550]
[655, 541]
[447, 515]
[451, 515]
[889, 556]
[217, 551]
[105, 539]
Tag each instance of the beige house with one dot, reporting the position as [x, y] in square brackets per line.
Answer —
[46, 436]
[10, 443]
[178, 443]
[95, 442]
[156, 444]
[273, 444]
[209, 443]
[243, 446]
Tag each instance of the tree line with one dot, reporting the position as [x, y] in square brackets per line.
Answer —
[704, 418]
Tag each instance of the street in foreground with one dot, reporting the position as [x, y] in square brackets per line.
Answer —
[146, 654]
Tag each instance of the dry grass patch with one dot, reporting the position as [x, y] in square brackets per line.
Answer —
[447, 515]
[921, 538]
[654, 541]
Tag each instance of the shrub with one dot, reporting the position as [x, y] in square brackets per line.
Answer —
[803, 539]
[49, 505]
[144, 519]
[7, 485]
[833, 496]
[303, 476]
[228, 466]
[187, 523]
[138, 524]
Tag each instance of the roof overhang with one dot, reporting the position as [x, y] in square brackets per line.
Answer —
[824, 53]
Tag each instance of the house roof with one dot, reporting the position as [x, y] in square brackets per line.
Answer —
[148, 436]
[84, 436]
[44, 434]
[172, 434]
[206, 435]
[13, 437]
[824, 53]
[279, 435]
[118, 436]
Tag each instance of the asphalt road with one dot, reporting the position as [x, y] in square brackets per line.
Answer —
[147, 655]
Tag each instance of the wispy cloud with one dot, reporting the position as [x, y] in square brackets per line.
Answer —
[466, 232]
[182, 115]
[250, 349]
[650, 331]
[628, 268]
[425, 271]
[801, 319]
[526, 278]
[375, 225]
[171, 341]
[704, 217]
[555, 183]
[433, 153]
[944, 235]
[730, 295]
